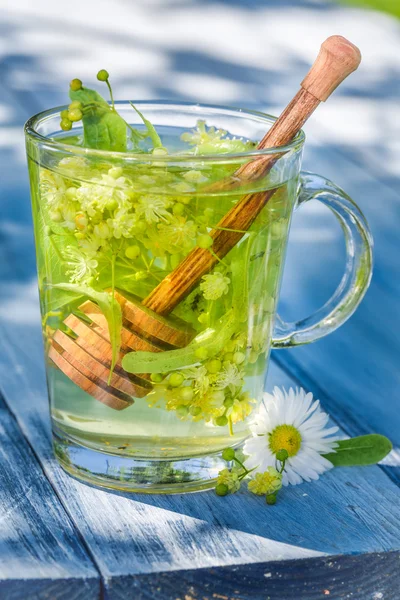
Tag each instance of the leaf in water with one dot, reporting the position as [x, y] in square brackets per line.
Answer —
[211, 340]
[359, 451]
[52, 267]
[151, 130]
[110, 309]
[103, 127]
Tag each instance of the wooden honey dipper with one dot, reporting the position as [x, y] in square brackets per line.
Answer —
[86, 360]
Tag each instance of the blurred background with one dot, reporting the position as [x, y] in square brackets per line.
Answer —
[249, 53]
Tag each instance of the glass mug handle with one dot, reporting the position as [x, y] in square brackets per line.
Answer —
[358, 271]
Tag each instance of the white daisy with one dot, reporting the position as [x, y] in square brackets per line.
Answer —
[291, 421]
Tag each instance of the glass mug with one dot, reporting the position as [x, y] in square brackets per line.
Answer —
[147, 402]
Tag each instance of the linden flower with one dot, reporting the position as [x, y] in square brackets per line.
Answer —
[82, 267]
[113, 189]
[153, 208]
[178, 234]
[231, 377]
[291, 421]
[240, 410]
[122, 224]
[214, 286]
[264, 484]
[91, 244]
[68, 212]
[201, 378]
[230, 479]
[53, 188]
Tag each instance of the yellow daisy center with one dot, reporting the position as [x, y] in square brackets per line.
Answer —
[285, 437]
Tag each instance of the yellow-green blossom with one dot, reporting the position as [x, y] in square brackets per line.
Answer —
[214, 285]
[178, 235]
[266, 483]
[240, 409]
[230, 376]
[82, 267]
[153, 208]
[230, 479]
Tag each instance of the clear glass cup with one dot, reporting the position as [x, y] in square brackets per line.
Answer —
[184, 383]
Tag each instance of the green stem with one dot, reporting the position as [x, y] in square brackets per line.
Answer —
[241, 465]
[227, 229]
[113, 259]
[111, 94]
[218, 258]
[230, 425]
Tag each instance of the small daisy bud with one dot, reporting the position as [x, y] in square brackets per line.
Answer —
[64, 114]
[75, 85]
[65, 124]
[204, 241]
[271, 499]
[75, 104]
[102, 75]
[221, 421]
[228, 402]
[222, 489]
[282, 455]
[228, 356]
[208, 213]
[132, 252]
[228, 454]
[75, 115]
[195, 411]
[214, 366]
[156, 377]
[176, 379]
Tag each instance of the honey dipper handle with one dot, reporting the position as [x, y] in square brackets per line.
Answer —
[336, 60]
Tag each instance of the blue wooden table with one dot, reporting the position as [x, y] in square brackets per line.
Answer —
[336, 538]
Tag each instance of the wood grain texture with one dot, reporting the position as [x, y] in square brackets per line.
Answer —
[355, 372]
[375, 576]
[350, 511]
[337, 59]
[83, 377]
[41, 555]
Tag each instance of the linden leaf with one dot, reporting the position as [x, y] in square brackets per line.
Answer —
[359, 451]
[103, 127]
[211, 340]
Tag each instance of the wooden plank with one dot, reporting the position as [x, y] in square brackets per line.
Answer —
[351, 511]
[355, 370]
[41, 555]
[135, 538]
[375, 576]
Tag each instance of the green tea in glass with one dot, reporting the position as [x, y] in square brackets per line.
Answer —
[158, 318]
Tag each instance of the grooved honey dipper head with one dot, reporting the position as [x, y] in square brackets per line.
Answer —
[337, 58]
